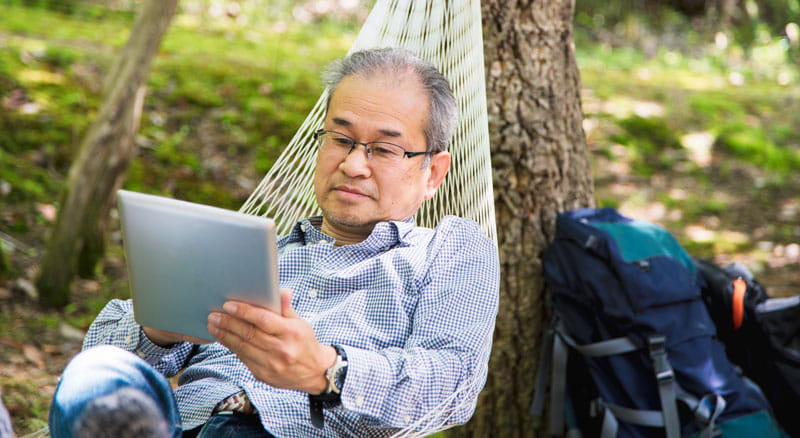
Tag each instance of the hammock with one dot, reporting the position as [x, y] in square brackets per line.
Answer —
[446, 33]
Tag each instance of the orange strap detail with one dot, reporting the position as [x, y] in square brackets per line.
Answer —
[739, 289]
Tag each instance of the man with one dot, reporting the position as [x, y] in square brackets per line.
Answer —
[383, 325]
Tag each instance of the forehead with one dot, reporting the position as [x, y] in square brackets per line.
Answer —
[381, 100]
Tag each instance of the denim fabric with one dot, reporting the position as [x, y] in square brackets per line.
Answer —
[100, 371]
[230, 426]
[5, 421]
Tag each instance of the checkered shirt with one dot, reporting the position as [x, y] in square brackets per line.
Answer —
[412, 308]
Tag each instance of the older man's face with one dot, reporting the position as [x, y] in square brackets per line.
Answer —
[355, 193]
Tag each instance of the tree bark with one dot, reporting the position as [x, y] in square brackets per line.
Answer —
[103, 158]
[541, 167]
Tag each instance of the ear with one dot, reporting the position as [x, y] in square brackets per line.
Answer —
[437, 169]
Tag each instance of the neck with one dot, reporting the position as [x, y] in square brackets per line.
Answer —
[343, 234]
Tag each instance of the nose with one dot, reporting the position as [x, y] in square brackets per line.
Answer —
[356, 144]
[356, 164]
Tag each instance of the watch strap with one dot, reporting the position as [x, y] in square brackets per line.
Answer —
[328, 399]
[318, 402]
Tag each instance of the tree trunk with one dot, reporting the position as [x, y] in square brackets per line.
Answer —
[103, 158]
[541, 167]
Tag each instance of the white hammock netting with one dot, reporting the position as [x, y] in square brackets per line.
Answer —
[446, 33]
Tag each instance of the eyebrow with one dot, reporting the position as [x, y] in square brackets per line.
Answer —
[386, 132]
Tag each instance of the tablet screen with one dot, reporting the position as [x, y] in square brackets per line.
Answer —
[185, 260]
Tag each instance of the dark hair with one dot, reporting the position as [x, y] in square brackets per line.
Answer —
[443, 114]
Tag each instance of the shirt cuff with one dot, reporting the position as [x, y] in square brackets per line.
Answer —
[151, 352]
[369, 383]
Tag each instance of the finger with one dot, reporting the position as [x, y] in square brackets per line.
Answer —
[244, 342]
[221, 323]
[233, 331]
[286, 304]
[265, 319]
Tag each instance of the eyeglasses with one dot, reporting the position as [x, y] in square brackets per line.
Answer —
[380, 152]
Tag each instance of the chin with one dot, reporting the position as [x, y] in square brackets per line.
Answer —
[350, 221]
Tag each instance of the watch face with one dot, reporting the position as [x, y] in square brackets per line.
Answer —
[335, 375]
[338, 378]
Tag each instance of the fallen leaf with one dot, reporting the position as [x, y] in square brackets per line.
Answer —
[34, 355]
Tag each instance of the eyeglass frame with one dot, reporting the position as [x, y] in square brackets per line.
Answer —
[406, 153]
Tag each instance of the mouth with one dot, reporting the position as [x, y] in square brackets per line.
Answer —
[350, 191]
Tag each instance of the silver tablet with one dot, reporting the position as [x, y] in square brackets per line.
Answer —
[185, 260]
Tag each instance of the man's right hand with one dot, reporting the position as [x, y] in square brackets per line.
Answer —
[166, 339]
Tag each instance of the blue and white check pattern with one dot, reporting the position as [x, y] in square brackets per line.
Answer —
[412, 308]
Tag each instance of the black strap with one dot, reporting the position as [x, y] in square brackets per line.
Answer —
[318, 402]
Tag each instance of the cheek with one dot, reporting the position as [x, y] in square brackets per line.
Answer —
[324, 170]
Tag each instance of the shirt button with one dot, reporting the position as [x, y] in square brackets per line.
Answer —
[128, 339]
[141, 354]
[407, 419]
[360, 400]
[312, 293]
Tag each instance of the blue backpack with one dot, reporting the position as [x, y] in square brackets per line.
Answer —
[632, 351]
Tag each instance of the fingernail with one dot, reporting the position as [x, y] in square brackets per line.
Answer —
[229, 307]
[214, 319]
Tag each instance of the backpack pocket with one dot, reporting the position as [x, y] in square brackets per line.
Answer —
[656, 281]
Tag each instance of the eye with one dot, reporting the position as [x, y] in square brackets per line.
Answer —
[341, 140]
[386, 150]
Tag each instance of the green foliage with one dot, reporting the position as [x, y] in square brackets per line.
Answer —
[23, 400]
[243, 90]
[752, 144]
[651, 143]
[26, 182]
[5, 264]
[754, 125]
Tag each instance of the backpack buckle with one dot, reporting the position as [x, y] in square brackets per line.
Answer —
[658, 353]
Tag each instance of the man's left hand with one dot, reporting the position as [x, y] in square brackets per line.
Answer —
[279, 349]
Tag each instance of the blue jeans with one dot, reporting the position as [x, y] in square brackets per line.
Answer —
[230, 426]
[104, 369]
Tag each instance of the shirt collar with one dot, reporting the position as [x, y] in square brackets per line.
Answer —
[383, 236]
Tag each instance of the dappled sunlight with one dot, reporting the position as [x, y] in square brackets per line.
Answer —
[700, 83]
[624, 106]
[699, 145]
[721, 241]
[649, 211]
[789, 210]
[678, 194]
[736, 79]
[32, 76]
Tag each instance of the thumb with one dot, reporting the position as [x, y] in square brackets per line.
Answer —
[286, 304]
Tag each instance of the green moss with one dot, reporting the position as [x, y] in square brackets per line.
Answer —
[652, 144]
[752, 144]
[24, 400]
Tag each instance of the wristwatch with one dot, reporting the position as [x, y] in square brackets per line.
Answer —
[335, 374]
[331, 397]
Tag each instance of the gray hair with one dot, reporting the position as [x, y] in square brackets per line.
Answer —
[443, 114]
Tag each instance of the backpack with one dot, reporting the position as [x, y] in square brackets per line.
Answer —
[761, 335]
[632, 350]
